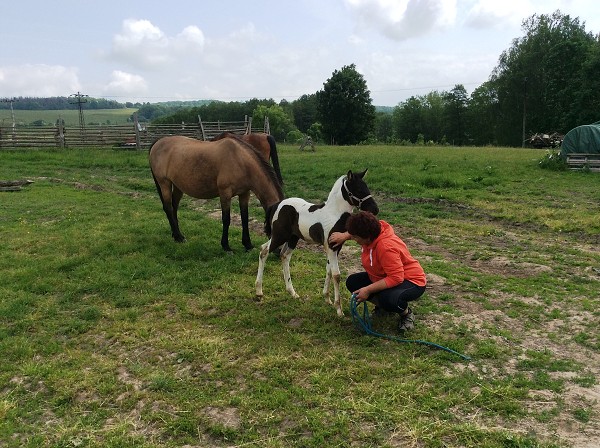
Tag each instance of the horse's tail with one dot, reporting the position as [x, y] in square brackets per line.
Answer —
[153, 176]
[274, 157]
[269, 212]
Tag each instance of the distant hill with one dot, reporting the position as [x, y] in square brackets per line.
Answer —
[59, 103]
[384, 109]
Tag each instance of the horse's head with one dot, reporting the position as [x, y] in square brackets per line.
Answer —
[357, 193]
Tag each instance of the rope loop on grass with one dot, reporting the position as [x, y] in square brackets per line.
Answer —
[363, 322]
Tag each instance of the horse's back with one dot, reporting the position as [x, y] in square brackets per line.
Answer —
[200, 168]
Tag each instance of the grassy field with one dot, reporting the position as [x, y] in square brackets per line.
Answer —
[112, 335]
[71, 117]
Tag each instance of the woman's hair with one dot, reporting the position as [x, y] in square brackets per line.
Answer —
[364, 225]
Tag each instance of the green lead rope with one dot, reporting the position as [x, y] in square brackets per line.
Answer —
[363, 322]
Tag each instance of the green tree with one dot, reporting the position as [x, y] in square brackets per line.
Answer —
[482, 116]
[305, 111]
[455, 115]
[280, 122]
[407, 119]
[345, 107]
[586, 102]
[383, 127]
[538, 77]
[433, 116]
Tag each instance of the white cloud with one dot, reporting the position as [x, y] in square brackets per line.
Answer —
[125, 84]
[494, 14]
[404, 19]
[142, 44]
[39, 80]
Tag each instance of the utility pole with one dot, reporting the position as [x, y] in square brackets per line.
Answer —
[523, 136]
[79, 99]
[12, 112]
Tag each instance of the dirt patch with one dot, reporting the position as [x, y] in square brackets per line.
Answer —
[226, 417]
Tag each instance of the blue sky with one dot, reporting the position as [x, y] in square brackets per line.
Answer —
[232, 50]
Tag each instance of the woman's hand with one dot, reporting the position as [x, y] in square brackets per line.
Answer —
[361, 294]
[337, 238]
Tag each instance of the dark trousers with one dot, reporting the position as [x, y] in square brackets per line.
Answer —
[394, 300]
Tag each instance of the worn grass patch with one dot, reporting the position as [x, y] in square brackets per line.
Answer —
[113, 335]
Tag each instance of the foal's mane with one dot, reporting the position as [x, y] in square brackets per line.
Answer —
[266, 166]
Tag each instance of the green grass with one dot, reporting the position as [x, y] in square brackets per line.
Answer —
[113, 335]
[70, 116]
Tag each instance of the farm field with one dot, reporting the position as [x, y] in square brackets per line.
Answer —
[113, 335]
[71, 116]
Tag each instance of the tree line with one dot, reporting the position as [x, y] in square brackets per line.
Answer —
[546, 81]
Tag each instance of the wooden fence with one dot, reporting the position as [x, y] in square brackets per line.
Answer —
[589, 162]
[135, 135]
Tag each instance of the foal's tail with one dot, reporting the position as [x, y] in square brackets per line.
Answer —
[269, 212]
[274, 157]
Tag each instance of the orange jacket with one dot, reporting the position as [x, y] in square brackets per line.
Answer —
[388, 258]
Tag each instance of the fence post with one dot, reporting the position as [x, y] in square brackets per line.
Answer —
[136, 125]
[61, 133]
[202, 128]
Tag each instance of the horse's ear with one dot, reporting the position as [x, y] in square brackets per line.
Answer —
[363, 174]
[349, 175]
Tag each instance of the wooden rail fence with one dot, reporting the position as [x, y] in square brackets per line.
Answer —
[584, 162]
[135, 135]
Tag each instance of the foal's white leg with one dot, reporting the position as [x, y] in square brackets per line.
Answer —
[262, 256]
[286, 255]
[327, 281]
[334, 267]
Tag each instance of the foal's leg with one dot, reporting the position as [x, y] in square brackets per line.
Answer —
[286, 255]
[333, 265]
[262, 257]
[244, 200]
[327, 281]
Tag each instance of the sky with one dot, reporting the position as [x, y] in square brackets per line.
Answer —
[150, 51]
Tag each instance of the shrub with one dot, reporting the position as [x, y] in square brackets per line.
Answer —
[553, 161]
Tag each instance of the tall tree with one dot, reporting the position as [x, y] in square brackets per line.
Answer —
[455, 114]
[279, 122]
[537, 78]
[345, 107]
[482, 115]
[305, 111]
[408, 119]
[586, 102]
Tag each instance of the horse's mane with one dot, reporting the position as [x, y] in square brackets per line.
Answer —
[222, 135]
[266, 166]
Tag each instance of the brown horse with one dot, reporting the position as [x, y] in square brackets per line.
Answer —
[205, 170]
[265, 143]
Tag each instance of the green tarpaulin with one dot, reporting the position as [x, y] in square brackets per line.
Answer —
[582, 140]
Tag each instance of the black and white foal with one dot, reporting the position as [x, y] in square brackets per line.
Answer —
[294, 219]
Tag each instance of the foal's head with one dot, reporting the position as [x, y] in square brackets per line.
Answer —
[357, 193]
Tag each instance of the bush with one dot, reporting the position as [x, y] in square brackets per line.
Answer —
[553, 161]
